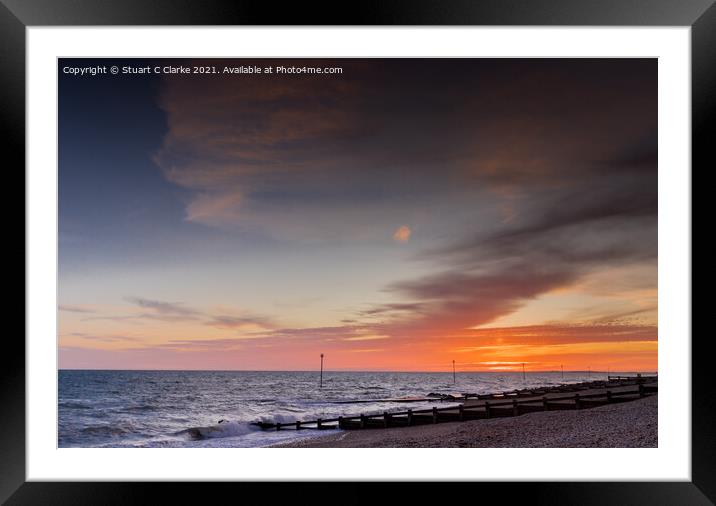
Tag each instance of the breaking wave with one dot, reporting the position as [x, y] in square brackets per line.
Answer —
[221, 429]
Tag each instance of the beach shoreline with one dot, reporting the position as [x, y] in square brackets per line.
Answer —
[632, 424]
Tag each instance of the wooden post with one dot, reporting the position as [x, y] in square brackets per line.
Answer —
[362, 421]
[410, 417]
[487, 409]
[577, 402]
[461, 411]
[321, 386]
[453, 372]
[278, 426]
[523, 371]
[641, 390]
[435, 414]
[298, 425]
[562, 367]
[609, 396]
[545, 405]
[386, 419]
[515, 408]
[319, 424]
[340, 422]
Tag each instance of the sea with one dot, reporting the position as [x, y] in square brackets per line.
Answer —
[217, 408]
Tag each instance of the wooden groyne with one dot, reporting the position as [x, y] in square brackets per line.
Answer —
[482, 406]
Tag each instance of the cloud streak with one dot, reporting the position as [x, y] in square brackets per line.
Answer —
[238, 322]
[175, 312]
[164, 308]
[75, 309]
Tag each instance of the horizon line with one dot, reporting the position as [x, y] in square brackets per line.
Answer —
[586, 371]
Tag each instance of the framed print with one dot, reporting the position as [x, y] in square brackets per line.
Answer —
[436, 245]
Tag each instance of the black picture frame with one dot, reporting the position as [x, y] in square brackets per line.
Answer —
[16, 15]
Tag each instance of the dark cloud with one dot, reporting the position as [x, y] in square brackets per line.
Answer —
[273, 153]
[496, 275]
[458, 299]
[412, 307]
[604, 219]
[224, 321]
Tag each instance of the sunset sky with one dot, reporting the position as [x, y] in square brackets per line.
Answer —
[398, 216]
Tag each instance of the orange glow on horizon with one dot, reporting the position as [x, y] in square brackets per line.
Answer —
[539, 348]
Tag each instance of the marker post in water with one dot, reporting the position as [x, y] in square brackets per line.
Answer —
[562, 367]
[453, 372]
[321, 386]
[523, 371]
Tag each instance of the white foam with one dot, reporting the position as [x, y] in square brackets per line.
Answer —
[278, 418]
[223, 429]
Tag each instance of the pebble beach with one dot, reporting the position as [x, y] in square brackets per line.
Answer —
[630, 424]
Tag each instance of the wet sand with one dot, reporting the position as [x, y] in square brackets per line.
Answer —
[630, 424]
